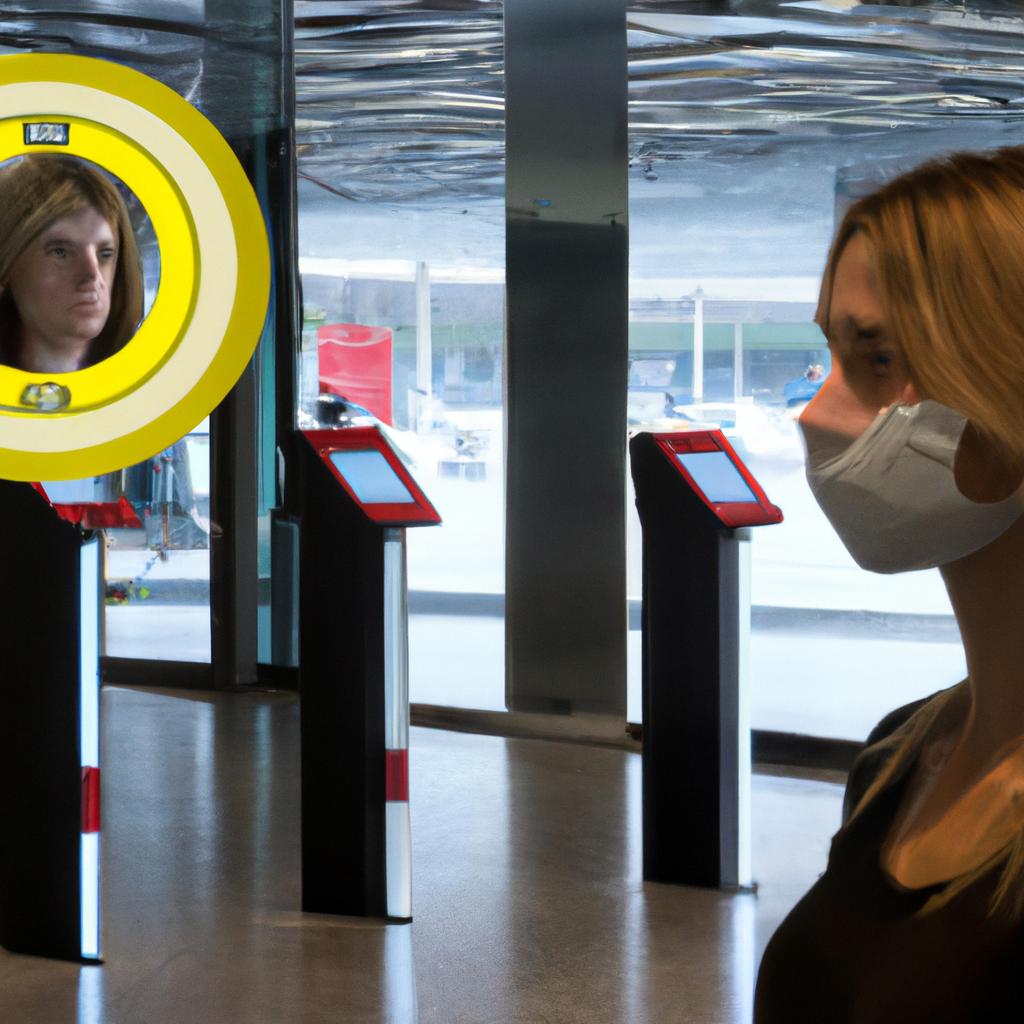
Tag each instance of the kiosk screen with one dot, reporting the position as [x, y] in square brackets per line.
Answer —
[717, 476]
[371, 478]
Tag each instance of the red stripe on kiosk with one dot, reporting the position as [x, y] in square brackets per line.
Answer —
[90, 801]
[397, 768]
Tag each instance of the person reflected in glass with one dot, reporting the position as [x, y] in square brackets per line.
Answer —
[915, 453]
[71, 289]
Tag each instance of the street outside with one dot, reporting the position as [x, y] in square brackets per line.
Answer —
[817, 684]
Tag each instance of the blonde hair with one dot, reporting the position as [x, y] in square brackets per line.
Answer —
[42, 188]
[947, 243]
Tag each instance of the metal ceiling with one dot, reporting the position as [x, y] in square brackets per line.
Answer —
[723, 80]
[401, 101]
[196, 47]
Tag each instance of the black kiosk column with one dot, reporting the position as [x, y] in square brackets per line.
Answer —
[49, 729]
[358, 498]
[696, 499]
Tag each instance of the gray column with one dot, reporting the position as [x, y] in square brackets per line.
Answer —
[566, 355]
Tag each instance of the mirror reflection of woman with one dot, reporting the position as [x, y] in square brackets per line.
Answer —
[71, 289]
[915, 452]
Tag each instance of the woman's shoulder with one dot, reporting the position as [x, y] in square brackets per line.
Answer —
[883, 742]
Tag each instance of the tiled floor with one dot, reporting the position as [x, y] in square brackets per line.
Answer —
[529, 902]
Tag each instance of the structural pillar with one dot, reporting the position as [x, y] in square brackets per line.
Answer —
[566, 355]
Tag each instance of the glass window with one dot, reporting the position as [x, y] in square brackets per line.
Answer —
[401, 240]
[158, 574]
[748, 135]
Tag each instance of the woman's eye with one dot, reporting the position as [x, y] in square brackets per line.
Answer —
[59, 251]
[881, 361]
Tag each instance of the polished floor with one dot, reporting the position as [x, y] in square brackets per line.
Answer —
[529, 906]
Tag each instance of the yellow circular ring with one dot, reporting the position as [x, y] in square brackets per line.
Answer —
[131, 418]
[175, 233]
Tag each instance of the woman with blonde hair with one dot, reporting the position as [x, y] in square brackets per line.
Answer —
[915, 452]
[71, 291]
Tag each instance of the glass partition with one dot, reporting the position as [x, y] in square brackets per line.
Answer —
[750, 128]
[400, 133]
[224, 58]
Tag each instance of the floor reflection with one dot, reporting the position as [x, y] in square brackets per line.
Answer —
[400, 1005]
[90, 995]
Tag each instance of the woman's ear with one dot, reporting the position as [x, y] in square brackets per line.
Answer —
[984, 473]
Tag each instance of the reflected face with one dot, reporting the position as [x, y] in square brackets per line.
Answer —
[871, 359]
[62, 282]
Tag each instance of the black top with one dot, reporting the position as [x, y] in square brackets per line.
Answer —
[852, 950]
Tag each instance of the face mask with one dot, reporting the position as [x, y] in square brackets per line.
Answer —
[892, 498]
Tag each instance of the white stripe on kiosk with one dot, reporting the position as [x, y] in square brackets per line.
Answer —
[398, 840]
[90, 747]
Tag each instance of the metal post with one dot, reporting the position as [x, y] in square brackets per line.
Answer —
[737, 362]
[424, 352]
[698, 345]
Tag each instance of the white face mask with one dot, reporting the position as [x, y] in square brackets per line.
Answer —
[892, 498]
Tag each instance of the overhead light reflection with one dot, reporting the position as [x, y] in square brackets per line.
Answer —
[90, 995]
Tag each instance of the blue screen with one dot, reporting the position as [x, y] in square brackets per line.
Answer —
[371, 478]
[717, 476]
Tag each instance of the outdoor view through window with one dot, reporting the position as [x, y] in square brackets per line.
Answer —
[402, 253]
[749, 132]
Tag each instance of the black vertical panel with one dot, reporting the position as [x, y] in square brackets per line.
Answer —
[341, 645]
[566, 353]
[40, 799]
[682, 672]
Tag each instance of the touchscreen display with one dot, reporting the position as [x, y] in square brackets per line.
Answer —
[717, 476]
[70, 492]
[371, 478]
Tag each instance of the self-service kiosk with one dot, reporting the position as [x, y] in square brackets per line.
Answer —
[358, 498]
[696, 501]
[50, 601]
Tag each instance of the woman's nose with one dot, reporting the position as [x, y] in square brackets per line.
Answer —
[89, 267]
